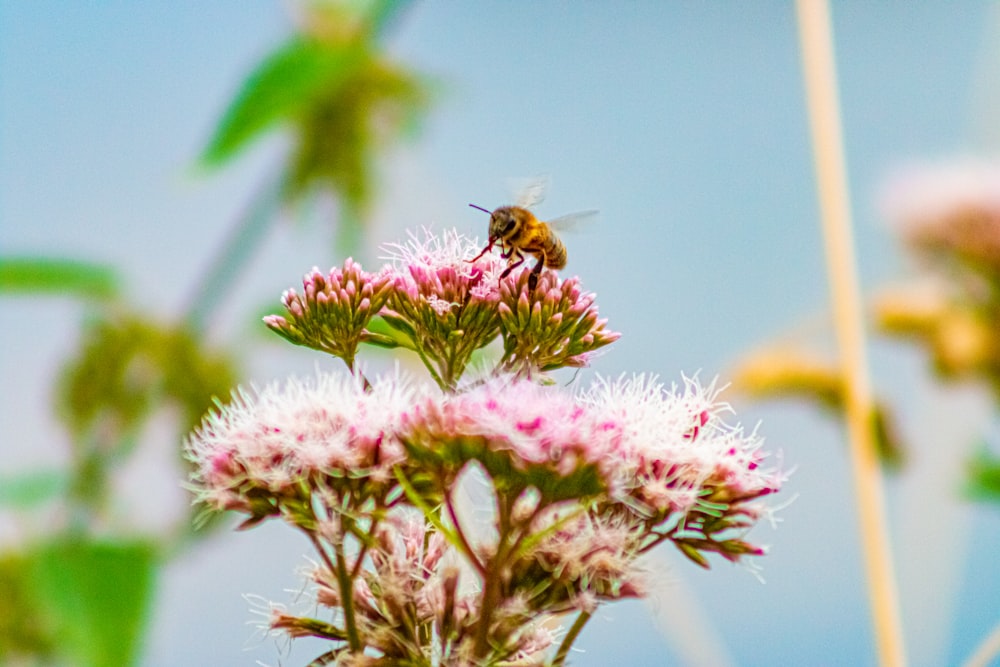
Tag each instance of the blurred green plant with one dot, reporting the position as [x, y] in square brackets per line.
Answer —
[947, 216]
[783, 372]
[342, 100]
[78, 592]
[128, 369]
[984, 476]
[93, 596]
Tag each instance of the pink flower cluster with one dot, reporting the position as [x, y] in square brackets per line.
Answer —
[405, 570]
[269, 444]
[517, 430]
[552, 326]
[675, 448]
[590, 558]
[444, 306]
[413, 582]
[334, 310]
[581, 484]
[667, 451]
[444, 303]
[435, 266]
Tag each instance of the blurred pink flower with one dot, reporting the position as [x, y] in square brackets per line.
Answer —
[949, 207]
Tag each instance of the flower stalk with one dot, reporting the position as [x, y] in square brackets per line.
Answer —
[824, 109]
[574, 631]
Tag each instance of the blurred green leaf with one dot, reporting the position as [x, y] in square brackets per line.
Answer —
[58, 276]
[95, 596]
[32, 489]
[339, 133]
[888, 443]
[127, 368]
[24, 636]
[342, 100]
[983, 481]
[780, 372]
[284, 84]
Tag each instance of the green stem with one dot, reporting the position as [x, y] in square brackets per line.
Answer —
[490, 599]
[427, 363]
[231, 260]
[567, 642]
[344, 582]
[657, 541]
[356, 570]
[347, 599]
[454, 372]
[88, 491]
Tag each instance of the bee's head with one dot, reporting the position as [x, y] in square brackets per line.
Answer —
[503, 221]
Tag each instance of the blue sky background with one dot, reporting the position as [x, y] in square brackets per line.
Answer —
[684, 123]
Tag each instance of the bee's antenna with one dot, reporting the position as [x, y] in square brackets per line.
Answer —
[480, 208]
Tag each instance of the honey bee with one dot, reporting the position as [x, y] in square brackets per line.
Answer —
[519, 232]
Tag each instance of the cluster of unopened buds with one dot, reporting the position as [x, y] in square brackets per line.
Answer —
[378, 472]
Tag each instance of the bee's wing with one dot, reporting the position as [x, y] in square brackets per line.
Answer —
[573, 222]
[530, 192]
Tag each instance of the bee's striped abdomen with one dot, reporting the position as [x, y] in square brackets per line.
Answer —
[555, 252]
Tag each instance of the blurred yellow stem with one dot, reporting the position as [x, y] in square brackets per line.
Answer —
[816, 39]
[987, 651]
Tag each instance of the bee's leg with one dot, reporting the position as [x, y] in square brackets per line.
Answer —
[489, 246]
[535, 272]
[512, 265]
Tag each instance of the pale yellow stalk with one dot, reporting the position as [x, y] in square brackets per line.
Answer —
[816, 39]
[985, 652]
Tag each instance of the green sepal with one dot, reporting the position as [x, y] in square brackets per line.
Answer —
[399, 324]
[693, 554]
[381, 340]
